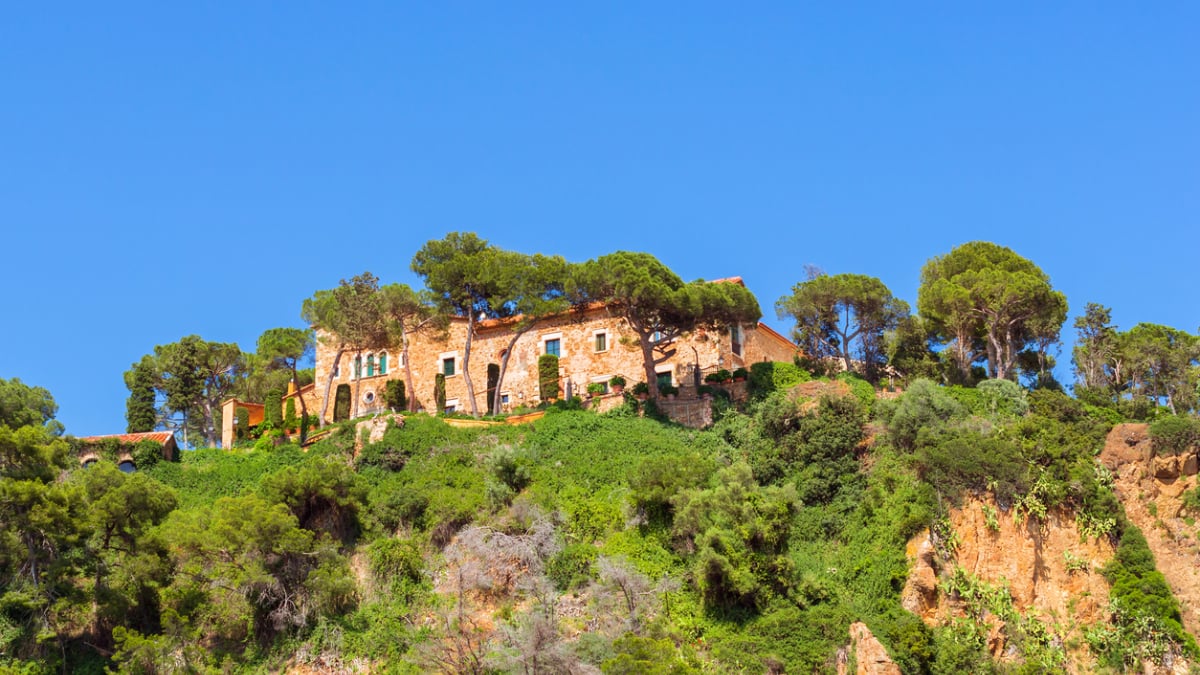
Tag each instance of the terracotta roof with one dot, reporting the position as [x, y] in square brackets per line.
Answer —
[729, 280]
[162, 437]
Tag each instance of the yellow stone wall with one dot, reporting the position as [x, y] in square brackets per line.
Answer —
[579, 362]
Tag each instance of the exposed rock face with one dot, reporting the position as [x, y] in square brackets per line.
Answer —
[1027, 557]
[376, 427]
[920, 595]
[1152, 489]
[870, 656]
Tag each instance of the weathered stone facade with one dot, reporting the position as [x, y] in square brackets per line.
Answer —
[593, 346]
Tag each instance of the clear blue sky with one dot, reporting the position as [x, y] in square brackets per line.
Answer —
[169, 169]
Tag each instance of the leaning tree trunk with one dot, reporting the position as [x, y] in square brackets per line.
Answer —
[504, 369]
[408, 376]
[467, 366]
[337, 357]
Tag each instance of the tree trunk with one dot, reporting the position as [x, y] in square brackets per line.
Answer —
[337, 357]
[408, 377]
[357, 373]
[648, 363]
[504, 369]
[467, 366]
[303, 407]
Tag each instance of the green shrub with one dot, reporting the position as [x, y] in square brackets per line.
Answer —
[493, 380]
[439, 393]
[146, 453]
[395, 396]
[341, 403]
[1002, 398]
[548, 376]
[925, 406]
[740, 373]
[768, 376]
[641, 389]
[863, 390]
[1140, 595]
[572, 566]
[719, 376]
[668, 390]
[595, 388]
[289, 415]
[1173, 434]
[242, 425]
[274, 408]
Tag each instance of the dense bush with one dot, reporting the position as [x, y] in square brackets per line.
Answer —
[1173, 434]
[924, 406]
[768, 376]
[493, 380]
[341, 403]
[273, 408]
[548, 377]
[1002, 398]
[395, 396]
[439, 393]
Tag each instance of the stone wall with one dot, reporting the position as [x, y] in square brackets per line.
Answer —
[580, 363]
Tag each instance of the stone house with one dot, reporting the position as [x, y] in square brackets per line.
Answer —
[90, 447]
[593, 345]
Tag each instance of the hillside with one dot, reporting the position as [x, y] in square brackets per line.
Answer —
[818, 529]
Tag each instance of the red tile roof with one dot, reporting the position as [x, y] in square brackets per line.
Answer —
[162, 437]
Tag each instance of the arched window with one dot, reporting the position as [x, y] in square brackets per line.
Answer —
[370, 365]
[383, 363]
[357, 367]
[127, 466]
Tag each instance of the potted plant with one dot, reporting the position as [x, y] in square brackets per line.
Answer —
[641, 390]
[595, 389]
[617, 383]
[669, 390]
[716, 377]
[740, 375]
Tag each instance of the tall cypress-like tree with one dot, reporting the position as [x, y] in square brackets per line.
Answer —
[142, 381]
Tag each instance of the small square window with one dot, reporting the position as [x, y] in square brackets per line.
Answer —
[504, 399]
[554, 347]
[663, 378]
[601, 342]
[448, 366]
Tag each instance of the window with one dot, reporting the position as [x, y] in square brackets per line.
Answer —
[663, 378]
[357, 367]
[369, 397]
[448, 363]
[504, 398]
[735, 339]
[127, 467]
[451, 406]
[383, 363]
[601, 342]
[554, 346]
[370, 365]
